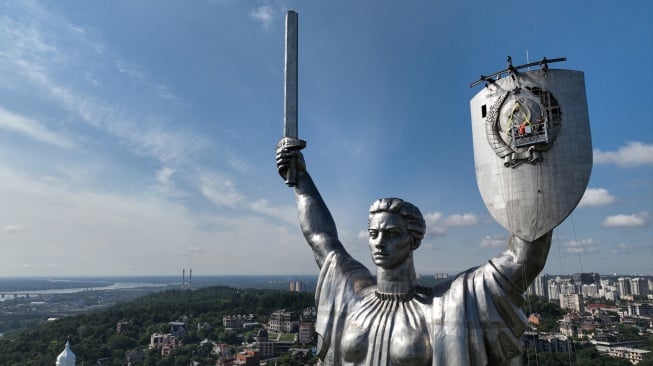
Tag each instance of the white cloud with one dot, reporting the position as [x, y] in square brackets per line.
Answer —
[432, 218]
[633, 154]
[12, 229]
[28, 48]
[163, 175]
[236, 162]
[432, 231]
[165, 184]
[264, 14]
[194, 250]
[640, 249]
[38, 63]
[220, 191]
[130, 70]
[584, 246]
[634, 220]
[28, 127]
[437, 223]
[624, 246]
[134, 234]
[168, 146]
[94, 226]
[433, 225]
[456, 220]
[285, 213]
[493, 242]
[594, 197]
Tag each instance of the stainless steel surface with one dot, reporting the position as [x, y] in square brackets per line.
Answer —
[530, 182]
[290, 72]
[291, 139]
[474, 318]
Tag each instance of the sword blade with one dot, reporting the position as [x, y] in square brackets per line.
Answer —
[290, 82]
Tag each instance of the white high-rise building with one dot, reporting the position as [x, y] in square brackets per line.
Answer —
[572, 301]
[568, 288]
[591, 290]
[67, 357]
[541, 285]
[639, 286]
[611, 294]
[624, 287]
[554, 291]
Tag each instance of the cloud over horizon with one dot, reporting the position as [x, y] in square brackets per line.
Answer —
[264, 14]
[28, 127]
[585, 246]
[496, 241]
[437, 223]
[595, 197]
[634, 220]
[635, 153]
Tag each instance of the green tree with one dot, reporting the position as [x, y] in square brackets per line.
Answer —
[647, 360]
[121, 342]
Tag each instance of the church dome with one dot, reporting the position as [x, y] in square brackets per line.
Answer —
[67, 357]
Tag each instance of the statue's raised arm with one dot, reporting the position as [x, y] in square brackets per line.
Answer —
[523, 260]
[315, 220]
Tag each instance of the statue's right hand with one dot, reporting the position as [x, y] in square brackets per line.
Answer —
[286, 157]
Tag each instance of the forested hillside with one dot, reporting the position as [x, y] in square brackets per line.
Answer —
[93, 336]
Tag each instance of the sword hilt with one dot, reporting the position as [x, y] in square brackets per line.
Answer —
[291, 143]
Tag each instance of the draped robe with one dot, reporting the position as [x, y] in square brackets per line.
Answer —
[472, 319]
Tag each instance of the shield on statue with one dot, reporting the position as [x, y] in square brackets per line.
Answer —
[532, 148]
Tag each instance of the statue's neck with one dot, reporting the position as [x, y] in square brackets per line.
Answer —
[399, 280]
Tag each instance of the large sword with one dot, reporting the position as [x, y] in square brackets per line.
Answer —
[290, 138]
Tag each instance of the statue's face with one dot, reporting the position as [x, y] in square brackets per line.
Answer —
[390, 241]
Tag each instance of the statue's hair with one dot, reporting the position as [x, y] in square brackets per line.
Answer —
[409, 212]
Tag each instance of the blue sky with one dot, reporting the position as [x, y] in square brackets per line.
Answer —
[138, 137]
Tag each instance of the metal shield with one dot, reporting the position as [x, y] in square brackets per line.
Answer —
[532, 148]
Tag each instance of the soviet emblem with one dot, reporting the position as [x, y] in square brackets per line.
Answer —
[522, 124]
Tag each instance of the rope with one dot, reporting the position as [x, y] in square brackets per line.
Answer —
[573, 226]
[503, 188]
[576, 243]
[530, 311]
[537, 207]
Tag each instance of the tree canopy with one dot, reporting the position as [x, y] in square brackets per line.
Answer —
[93, 336]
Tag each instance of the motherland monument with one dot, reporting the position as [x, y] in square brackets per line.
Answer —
[533, 159]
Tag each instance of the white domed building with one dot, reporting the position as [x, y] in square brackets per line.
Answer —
[67, 357]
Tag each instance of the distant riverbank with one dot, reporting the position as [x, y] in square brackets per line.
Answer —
[16, 288]
[23, 285]
[10, 287]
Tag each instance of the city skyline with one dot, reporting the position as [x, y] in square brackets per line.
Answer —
[137, 138]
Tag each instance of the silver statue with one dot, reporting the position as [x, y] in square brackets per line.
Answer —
[472, 319]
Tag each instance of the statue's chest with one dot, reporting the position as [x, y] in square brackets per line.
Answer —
[381, 331]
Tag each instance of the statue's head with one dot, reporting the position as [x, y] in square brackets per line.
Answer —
[396, 228]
